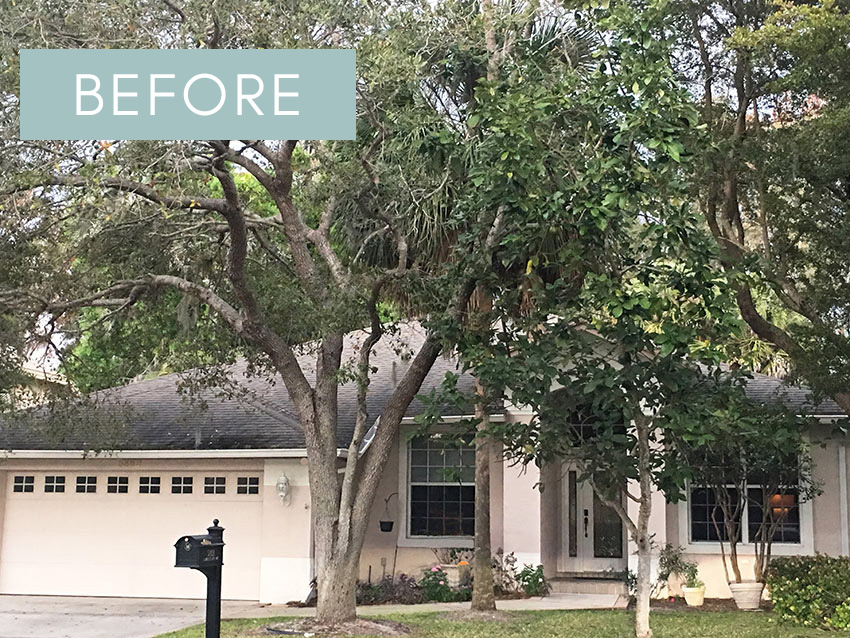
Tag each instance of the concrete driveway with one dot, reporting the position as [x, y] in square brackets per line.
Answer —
[72, 617]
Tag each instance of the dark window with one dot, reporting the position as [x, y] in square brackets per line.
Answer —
[214, 484]
[86, 484]
[181, 484]
[149, 485]
[784, 512]
[54, 484]
[442, 487]
[117, 484]
[248, 485]
[707, 520]
[23, 484]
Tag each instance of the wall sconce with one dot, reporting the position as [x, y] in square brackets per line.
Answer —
[283, 490]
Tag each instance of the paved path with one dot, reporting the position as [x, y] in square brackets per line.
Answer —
[73, 617]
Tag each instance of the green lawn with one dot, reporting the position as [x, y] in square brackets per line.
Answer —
[575, 624]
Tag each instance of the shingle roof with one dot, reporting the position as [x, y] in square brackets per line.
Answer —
[155, 416]
[796, 398]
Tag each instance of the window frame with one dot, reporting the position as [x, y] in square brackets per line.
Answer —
[212, 485]
[180, 483]
[779, 548]
[114, 484]
[26, 481]
[150, 484]
[250, 483]
[405, 539]
[88, 481]
[57, 486]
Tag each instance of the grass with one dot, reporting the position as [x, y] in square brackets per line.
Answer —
[557, 624]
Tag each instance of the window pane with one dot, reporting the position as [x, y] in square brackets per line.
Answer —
[704, 512]
[784, 513]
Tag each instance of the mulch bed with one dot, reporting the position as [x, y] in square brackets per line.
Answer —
[309, 627]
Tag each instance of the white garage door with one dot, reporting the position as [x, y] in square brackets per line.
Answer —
[113, 533]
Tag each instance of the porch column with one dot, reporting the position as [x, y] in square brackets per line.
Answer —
[657, 528]
[521, 506]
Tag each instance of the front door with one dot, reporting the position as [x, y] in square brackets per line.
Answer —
[593, 539]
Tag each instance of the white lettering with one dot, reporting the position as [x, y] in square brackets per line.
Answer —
[249, 98]
[117, 94]
[278, 94]
[154, 93]
[204, 76]
[92, 92]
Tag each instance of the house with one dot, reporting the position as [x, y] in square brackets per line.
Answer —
[74, 522]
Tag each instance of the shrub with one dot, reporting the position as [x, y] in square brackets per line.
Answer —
[435, 586]
[811, 590]
[532, 581]
[404, 591]
[505, 573]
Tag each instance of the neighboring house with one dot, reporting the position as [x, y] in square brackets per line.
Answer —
[73, 523]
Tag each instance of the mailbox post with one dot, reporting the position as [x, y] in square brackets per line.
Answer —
[204, 552]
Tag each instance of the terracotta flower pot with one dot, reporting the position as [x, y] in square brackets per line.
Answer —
[747, 595]
[694, 596]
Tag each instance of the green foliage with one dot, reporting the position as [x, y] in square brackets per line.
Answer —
[532, 580]
[813, 591]
[435, 586]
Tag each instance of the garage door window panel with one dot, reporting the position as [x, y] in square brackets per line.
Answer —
[54, 484]
[181, 484]
[23, 484]
[86, 484]
[149, 485]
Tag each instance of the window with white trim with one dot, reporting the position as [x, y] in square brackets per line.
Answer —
[23, 483]
[86, 484]
[441, 487]
[214, 484]
[181, 484]
[149, 485]
[117, 484]
[248, 485]
[707, 520]
[54, 484]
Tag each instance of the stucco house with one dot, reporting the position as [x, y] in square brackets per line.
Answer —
[77, 523]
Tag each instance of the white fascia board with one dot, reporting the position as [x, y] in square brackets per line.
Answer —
[164, 454]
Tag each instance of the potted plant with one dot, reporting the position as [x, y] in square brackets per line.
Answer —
[693, 589]
[454, 562]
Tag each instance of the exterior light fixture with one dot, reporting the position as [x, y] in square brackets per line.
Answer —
[283, 490]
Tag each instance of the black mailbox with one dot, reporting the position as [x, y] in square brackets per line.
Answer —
[199, 551]
[204, 552]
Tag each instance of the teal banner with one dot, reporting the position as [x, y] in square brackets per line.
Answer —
[174, 94]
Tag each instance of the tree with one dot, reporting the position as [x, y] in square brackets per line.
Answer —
[279, 243]
[753, 456]
[608, 289]
[772, 182]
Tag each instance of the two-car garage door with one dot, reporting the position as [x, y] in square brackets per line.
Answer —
[112, 533]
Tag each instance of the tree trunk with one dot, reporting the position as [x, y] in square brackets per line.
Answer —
[336, 585]
[483, 598]
[644, 584]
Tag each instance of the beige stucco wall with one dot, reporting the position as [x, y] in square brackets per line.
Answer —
[122, 544]
[515, 520]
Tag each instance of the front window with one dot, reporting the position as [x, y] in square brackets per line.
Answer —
[441, 483]
[708, 521]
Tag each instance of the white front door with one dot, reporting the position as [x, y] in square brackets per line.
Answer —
[593, 538]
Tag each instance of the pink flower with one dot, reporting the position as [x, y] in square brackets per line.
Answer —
[442, 582]
[435, 569]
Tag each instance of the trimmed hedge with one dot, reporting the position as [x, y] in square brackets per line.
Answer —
[811, 590]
